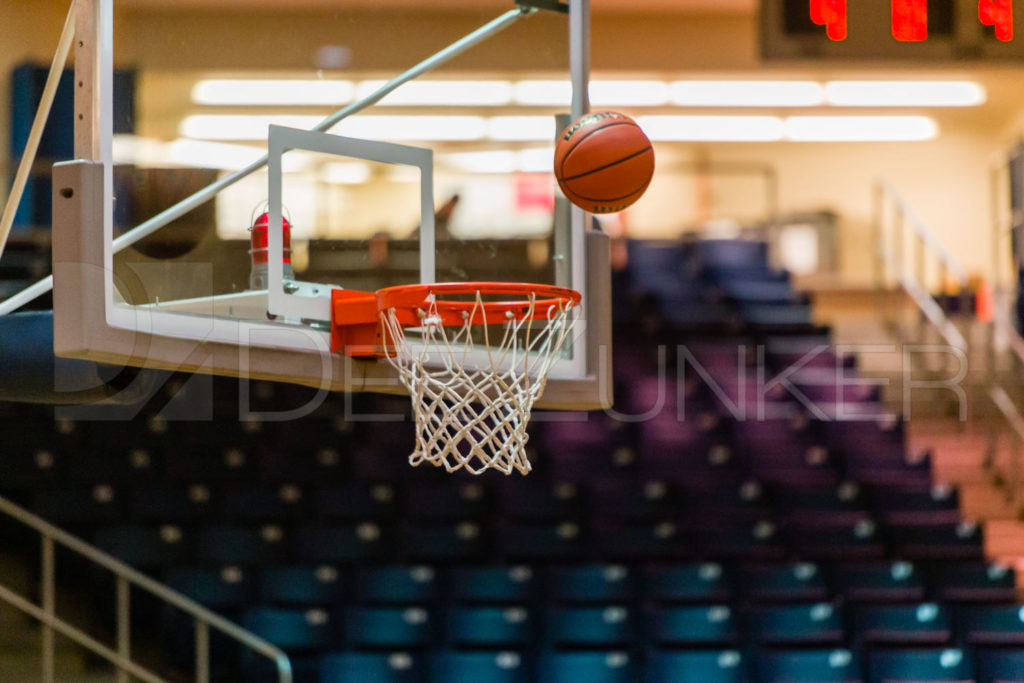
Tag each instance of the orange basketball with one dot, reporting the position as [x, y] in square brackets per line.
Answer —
[603, 162]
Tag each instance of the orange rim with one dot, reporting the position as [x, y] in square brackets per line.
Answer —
[408, 299]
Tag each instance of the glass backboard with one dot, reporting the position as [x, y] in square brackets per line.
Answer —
[399, 149]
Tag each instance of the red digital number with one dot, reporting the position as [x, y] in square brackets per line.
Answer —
[910, 20]
[998, 14]
[818, 5]
[832, 15]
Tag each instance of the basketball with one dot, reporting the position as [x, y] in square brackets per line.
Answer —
[603, 162]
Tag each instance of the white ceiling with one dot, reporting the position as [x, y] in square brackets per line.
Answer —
[680, 6]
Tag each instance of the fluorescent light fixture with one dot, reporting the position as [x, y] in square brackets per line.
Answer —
[537, 160]
[747, 93]
[860, 128]
[403, 174]
[503, 161]
[240, 126]
[496, 93]
[226, 156]
[521, 128]
[346, 173]
[602, 93]
[278, 92]
[491, 161]
[420, 128]
[443, 93]
[713, 128]
[628, 93]
[129, 149]
[139, 151]
[205, 154]
[542, 93]
[254, 127]
[904, 93]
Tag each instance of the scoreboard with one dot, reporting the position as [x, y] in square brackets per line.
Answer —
[892, 30]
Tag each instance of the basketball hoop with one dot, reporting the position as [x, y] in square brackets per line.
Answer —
[472, 387]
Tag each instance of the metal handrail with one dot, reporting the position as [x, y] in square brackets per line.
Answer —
[892, 261]
[1013, 418]
[126, 579]
[924, 231]
[1002, 329]
[927, 305]
[1015, 342]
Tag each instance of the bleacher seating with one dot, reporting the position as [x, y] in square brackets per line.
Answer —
[705, 531]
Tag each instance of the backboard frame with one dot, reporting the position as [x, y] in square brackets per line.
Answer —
[90, 324]
[314, 303]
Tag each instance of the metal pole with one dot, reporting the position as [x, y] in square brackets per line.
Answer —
[921, 264]
[992, 447]
[996, 280]
[919, 274]
[124, 627]
[202, 652]
[772, 207]
[1014, 482]
[207, 193]
[36, 132]
[899, 247]
[943, 275]
[997, 226]
[899, 262]
[579, 56]
[49, 607]
[878, 229]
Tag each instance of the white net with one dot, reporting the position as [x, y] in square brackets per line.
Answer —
[471, 398]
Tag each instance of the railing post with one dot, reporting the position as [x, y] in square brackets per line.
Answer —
[1013, 480]
[202, 652]
[898, 259]
[943, 277]
[899, 239]
[920, 271]
[998, 234]
[878, 230]
[124, 627]
[991, 449]
[919, 275]
[49, 606]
